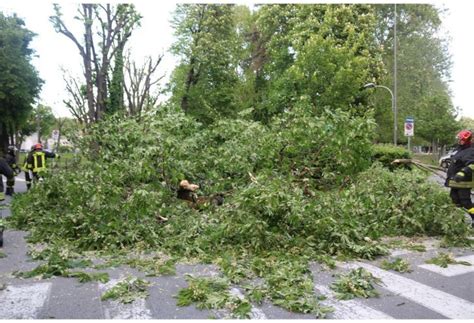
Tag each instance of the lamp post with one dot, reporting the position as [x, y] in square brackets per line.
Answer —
[394, 108]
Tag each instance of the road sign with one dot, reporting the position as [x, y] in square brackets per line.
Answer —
[409, 127]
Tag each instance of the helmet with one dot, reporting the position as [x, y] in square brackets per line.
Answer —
[38, 146]
[464, 137]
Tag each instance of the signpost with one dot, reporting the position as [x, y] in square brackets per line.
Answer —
[409, 129]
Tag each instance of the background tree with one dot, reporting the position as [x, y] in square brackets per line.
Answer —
[68, 128]
[43, 120]
[106, 31]
[466, 123]
[117, 83]
[437, 121]
[204, 81]
[423, 65]
[140, 85]
[19, 80]
[324, 52]
[76, 101]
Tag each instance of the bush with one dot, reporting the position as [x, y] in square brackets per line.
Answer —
[386, 154]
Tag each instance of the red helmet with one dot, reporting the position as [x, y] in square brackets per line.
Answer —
[464, 137]
[38, 146]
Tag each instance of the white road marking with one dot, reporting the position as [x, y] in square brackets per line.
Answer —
[441, 302]
[255, 313]
[452, 270]
[115, 310]
[349, 309]
[23, 301]
[429, 245]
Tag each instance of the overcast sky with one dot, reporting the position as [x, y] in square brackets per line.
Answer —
[155, 35]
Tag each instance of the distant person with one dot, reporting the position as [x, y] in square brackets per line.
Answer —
[11, 161]
[459, 176]
[36, 161]
[6, 171]
[28, 170]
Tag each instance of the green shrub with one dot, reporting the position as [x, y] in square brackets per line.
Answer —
[386, 154]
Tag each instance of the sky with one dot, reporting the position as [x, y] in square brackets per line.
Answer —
[155, 36]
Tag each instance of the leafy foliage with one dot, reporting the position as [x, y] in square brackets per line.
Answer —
[213, 293]
[423, 68]
[445, 259]
[84, 277]
[127, 290]
[59, 261]
[357, 283]
[119, 198]
[266, 111]
[386, 154]
[322, 52]
[206, 42]
[153, 266]
[19, 81]
[398, 264]
[410, 245]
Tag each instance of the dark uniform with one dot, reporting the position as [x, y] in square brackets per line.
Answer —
[459, 176]
[11, 160]
[7, 171]
[28, 175]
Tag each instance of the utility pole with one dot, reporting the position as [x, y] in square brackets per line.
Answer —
[395, 76]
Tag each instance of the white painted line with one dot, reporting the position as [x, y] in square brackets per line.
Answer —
[115, 310]
[349, 309]
[452, 270]
[399, 252]
[441, 302]
[429, 245]
[23, 301]
[255, 313]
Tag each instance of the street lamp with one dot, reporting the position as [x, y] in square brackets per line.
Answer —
[394, 108]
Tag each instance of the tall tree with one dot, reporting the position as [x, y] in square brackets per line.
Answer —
[43, 121]
[323, 52]
[76, 101]
[423, 67]
[203, 83]
[140, 85]
[106, 30]
[19, 81]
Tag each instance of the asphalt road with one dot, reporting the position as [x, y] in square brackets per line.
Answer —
[429, 292]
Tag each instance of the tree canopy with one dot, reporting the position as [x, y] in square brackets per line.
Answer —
[20, 83]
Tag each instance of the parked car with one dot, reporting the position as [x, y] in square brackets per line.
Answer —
[445, 160]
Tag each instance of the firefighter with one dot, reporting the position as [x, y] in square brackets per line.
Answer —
[27, 170]
[8, 173]
[36, 161]
[11, 160]
[459, 176]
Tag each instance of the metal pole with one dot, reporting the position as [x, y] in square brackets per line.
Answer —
[409, 143]
[394, 99]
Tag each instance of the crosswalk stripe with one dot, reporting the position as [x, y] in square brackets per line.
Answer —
[349, 309]
[255, 313]
[23, 301]
[441, 302]
[452, 270]
[117, 311]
